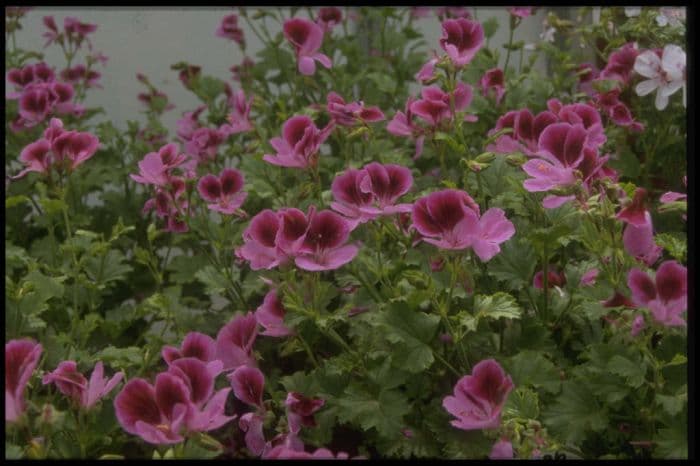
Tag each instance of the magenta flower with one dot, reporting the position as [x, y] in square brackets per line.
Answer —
[260, 247]
[581, 114]
[666, 297]
[323, 247]
[248, 383]
[73, 384]
[195, 345]
[189, 123]
[205, 143]
[155, 167]
[503, 449]
[300, 410]
[446, 218]
[402, 125]
[637, 325]
[427, 71]
[554, 278]
[671, 196]
[479, 398]
[239, 118]
[639, 241]
[589, 278]
[234, 342]
[229, 29]
[252, 424]
[461, 39]
[306, 38]
[328, 18]
[223, 192]
[52, 34]
[521, 12]
[299, 145]
[80, 74]
[350, 199]
[527, 129]
[492, 230]
[156, 101]
[294, 224]
[270, 315]
[620, 64]
[76, 30]
[353, 113]
[21, 358]
[452, 12]
[635, 213]
[493, 82]
[434, 107]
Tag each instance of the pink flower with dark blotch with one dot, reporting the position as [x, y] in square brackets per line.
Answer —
[306, 38]
[155, 167]
[666, 297]
[351, 114]
[300, 411]
[453, 12]
[205, 143]
[229, 29]
[252, 425]
[581, 114]
[35, 105]
[637, 325]
[324, 245]
[387, 183]
[259, 241]
[350, 199]
[74, 385]
[36, 157]
[188, 74]
[620, 64]
[427, 71]
[328, 18]
[527, 129]
[446, 219]
[493, 82]
[402, 125]
[639, 241]
[52, 35]
[665, 71]
[435, 107]
[554, 278]
[635, 212]
[223, 192]
[492, 230]
[521, 12]
[479, 398]
[29, 74]
[503, 449]
[21, 358]
[589, 278]
[248, 384]
[195, 345]
[234, 342]
[270, 315]
[461, 39]
[80, 74]
[76, 30]
[189, 123]
[299, 145]
[239, 118]
[156, 101]
[74, 147]
[587, 73]
[618, 300]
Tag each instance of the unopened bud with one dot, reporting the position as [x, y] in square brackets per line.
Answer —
[486, 157]
[516, 160]
[476, 166]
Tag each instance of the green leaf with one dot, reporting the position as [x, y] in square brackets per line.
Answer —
[202, 446]
[673, 405]
[129, 356]
[13, 452]
[575, 412]
[108, 268]
[496, 306]
[523, 403]
[412, 331]
[383, 82]
[677, 247]
[490, 27]
[214, 281]
[15, 200]
[633, 372]
[533, 368]
[515, 265]
[672, 442]
[383, 412]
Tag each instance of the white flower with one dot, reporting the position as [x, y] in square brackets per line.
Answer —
[548, 34]
[632, 11]
[667, 74]
[672, 16]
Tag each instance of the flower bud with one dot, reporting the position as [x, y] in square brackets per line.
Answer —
[486, 157]
[516, 159]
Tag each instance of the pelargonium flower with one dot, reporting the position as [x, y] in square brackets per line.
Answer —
[189, 123]
[427, 71]
[248, 383]
[329, 17]
[554, 278]
[80, 73]
[665, 72]
[639, 241]
[666, 296]
[229, 29]
[671, 197]
[503, 449]
[479, 398]
[452, 12]
[620, 64]
[21, 358]
[402, 124]
[461, 39]
[418, 12]
[450, 219]
[239, 118]
[29, 74]
[76, 30]
[493, 81]
[672, 16]
[299, 145]
[345, 114]
[521, 12]
[156, 101]
[589, 277]
[234, 342]
[155, 167]
[635, 212]
[435, 107]
[73, 384]
[526, 127]
[306, 38]
[637, 325]
[270, 315]
[252, 424]
[194, 345]
[300, 410]
[52, 34]
[205, 143]
[223, 192]
[324, 245]
[260, 247]
[241, 72]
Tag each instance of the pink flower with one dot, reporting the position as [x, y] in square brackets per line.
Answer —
[620, 64]
[323, 247]
[521, 12]
[635, 213]
[239, 118]
[306, 38]
[21, 358]
[402, 125]
[300, 410]
[618, 300]
[270, 315]
[666, 73]
[73, 384]
[453, 12]
[260, 247]
[156, 101]
[195, 345]
[666, 297]
[554, 278]
[637, 325]
[328, 18]
[76, 30]
[299, 145]
[248, 384]
[252, 424]
[503, 449]
[434, 107]
[427, 71]
[52, 35]
[80, 74]
[223, 192]
[418, 12]
[589, 278]
[234, 342]
[205, 143]
[461, 39]
[639, 241]
[353, 113]
[349, 199]
[241, 72]
[527, 130]
[493, 82]
[155, 167]
[479, 398]
[188, 124]
[229, 29]
[492, 230]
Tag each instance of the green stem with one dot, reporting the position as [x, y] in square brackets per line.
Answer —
[510, 45]
[308, 350]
